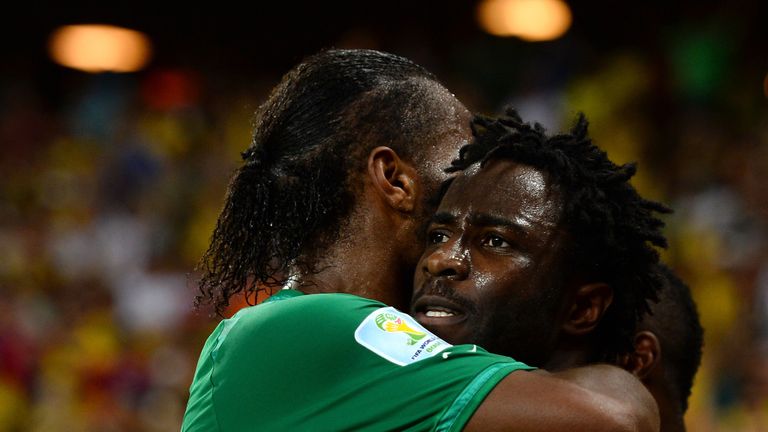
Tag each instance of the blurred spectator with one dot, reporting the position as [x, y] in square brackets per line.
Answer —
[111, 184]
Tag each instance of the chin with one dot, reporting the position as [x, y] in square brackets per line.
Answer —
[455, 334]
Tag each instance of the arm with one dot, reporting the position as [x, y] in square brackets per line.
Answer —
[591, 398]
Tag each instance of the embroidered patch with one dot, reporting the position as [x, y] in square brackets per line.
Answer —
[397, 337]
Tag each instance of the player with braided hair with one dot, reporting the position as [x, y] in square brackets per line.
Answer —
[307, 161]
[348, 151]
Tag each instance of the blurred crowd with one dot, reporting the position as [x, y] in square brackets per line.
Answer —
[108, 203]
[110, 193]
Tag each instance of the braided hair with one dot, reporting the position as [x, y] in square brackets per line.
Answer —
[290, 197]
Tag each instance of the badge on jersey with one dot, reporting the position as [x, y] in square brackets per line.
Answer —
[397, 337]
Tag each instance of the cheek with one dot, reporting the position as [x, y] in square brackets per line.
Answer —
[418, 274]
[493, 288]
[485, 283]
[508, 281]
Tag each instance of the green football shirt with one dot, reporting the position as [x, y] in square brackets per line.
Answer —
[334, 362]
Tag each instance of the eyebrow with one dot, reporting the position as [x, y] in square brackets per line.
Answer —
[444, 218]
[480, 219]
[485, 219]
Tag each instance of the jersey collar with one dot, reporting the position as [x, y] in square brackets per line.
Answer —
[284, 294]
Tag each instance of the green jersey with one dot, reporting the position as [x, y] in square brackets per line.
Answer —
[333, 362]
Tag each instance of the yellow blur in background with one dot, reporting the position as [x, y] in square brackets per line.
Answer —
[118, 139]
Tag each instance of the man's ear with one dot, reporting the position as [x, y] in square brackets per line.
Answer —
[645, 357]
[393, 179]
[589, 304]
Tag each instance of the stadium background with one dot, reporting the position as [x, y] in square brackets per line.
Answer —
[110, 183]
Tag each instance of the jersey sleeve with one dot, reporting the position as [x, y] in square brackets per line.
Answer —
[200, 414]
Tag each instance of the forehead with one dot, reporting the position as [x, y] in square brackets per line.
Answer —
[504, 188]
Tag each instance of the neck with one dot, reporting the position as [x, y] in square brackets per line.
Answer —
[367, 264]
[669, 407]
[671, 423]
[569, 354]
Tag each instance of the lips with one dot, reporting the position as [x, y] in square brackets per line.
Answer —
[436, 310]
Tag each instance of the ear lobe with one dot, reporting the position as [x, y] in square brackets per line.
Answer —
[645, 357]
[393, 179]
[589, 304]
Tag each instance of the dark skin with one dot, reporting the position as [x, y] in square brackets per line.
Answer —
[590, 398]
[375, 258]
[647, 363]
[389, 213]
[495, 249]
[495, 253]
[480, 250]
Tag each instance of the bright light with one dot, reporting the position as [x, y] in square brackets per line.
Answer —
[100, 48]
[530, 20]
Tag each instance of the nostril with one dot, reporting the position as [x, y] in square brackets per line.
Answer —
[447, 272]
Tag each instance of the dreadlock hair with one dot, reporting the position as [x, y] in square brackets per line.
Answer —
[612, 229]
[675, 322]
[295, 187]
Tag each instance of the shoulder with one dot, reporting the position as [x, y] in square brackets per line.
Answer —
[305, 308]
[289, 320]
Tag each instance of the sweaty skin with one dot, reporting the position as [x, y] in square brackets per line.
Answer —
[372, 253]
[390, 211]
[489, 274]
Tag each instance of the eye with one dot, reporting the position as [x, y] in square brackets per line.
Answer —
[495, 241]
[436, 237]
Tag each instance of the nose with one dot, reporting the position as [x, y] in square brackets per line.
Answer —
[447, 262]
